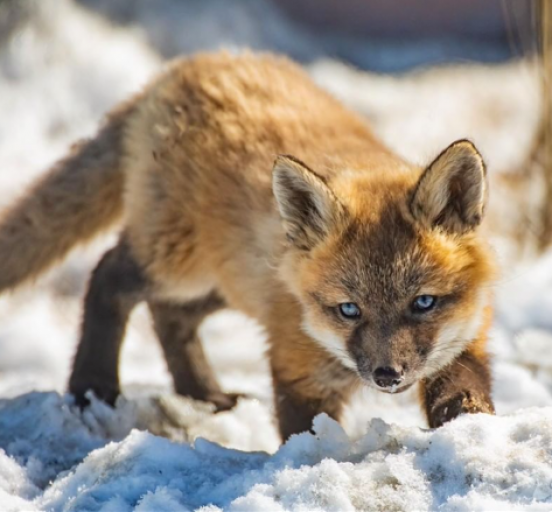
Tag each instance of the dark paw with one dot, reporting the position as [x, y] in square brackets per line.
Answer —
[106, 394]
[224, 401]
[462, 403]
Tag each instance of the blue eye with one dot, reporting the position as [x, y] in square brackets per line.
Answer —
[349, 310]
[424, 303]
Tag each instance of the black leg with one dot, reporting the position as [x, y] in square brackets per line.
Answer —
[116, 286]
[464, 386]
[176, 326]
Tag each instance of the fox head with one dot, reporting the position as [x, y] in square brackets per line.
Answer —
[390, 272]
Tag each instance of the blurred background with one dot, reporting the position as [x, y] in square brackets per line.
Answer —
[381, 35]
[422, 72]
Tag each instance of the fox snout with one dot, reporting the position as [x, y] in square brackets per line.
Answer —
[387, 377]
[386, 359]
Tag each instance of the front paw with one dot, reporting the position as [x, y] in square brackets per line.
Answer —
[464, 402]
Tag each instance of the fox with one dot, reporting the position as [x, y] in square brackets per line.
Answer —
[235, 181]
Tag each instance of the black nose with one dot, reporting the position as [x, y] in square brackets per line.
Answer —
[386, 377]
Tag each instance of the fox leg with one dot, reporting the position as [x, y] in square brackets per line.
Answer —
[464, 386]
[306, 385]
[296, 411]
[176, 327]
[116, 286]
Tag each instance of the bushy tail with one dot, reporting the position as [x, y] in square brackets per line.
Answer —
[78, 197]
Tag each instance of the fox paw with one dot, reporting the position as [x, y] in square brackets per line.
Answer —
[224, 401]
[107, 394]
[462, 403]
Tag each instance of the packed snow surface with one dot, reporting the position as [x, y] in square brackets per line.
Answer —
[59, 72]
[474, 463]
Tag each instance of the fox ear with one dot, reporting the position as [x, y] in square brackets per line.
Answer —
[307, 205]
[452, 191]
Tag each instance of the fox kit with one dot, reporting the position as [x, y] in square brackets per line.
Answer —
[240, 183]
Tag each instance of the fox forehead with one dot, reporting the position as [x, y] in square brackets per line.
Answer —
[367, 195]
[388, 257]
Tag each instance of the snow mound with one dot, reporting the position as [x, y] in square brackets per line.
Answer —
[474, 463]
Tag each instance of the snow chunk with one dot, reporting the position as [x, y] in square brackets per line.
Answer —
[473, 463]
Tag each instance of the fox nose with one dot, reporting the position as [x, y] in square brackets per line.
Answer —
[387, 377]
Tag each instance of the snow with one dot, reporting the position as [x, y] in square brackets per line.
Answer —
[473, 463]
[156, 451]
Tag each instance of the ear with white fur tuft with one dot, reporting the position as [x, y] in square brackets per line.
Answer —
[307, 205]
[452, 191]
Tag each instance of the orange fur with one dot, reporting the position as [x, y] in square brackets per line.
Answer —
[189, 164]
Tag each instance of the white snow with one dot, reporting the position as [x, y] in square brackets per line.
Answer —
[57, 76]
[474, 463]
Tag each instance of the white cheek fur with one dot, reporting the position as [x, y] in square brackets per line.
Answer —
[330, 341]
[454, 337]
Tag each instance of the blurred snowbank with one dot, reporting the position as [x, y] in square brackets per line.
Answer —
[61, 70]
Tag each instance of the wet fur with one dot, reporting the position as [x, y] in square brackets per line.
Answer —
[188, 164]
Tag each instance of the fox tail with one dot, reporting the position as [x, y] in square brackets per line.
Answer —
[80, 196]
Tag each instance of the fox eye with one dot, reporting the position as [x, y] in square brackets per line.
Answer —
[349, 310]
[423, 303]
